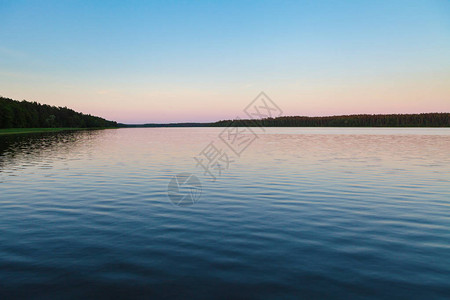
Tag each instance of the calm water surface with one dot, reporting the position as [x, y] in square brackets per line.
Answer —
[303, 213]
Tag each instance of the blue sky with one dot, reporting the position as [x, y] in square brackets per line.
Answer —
[165, 61]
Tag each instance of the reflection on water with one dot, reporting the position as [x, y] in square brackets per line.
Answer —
[304, 212]
[20, 151]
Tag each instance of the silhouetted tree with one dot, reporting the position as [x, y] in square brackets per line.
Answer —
[24, 114]
[392, 120]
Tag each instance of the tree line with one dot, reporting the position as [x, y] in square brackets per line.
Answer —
[391, 120]
[25, 114]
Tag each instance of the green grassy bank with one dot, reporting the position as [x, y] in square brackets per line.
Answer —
[39, 130]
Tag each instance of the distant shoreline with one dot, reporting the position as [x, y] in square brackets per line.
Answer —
[20, 117]
[365, 120]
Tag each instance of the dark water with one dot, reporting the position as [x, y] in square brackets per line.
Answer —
[303, 213]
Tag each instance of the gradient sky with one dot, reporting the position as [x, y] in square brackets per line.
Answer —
[173, 61]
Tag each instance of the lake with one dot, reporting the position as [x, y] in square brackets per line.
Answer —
[293, 213]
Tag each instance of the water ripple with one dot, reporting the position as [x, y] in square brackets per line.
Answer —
[303, 213]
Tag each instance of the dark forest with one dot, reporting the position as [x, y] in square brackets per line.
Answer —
[25, 114]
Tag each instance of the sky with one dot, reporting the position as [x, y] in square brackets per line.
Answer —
[201, 61]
